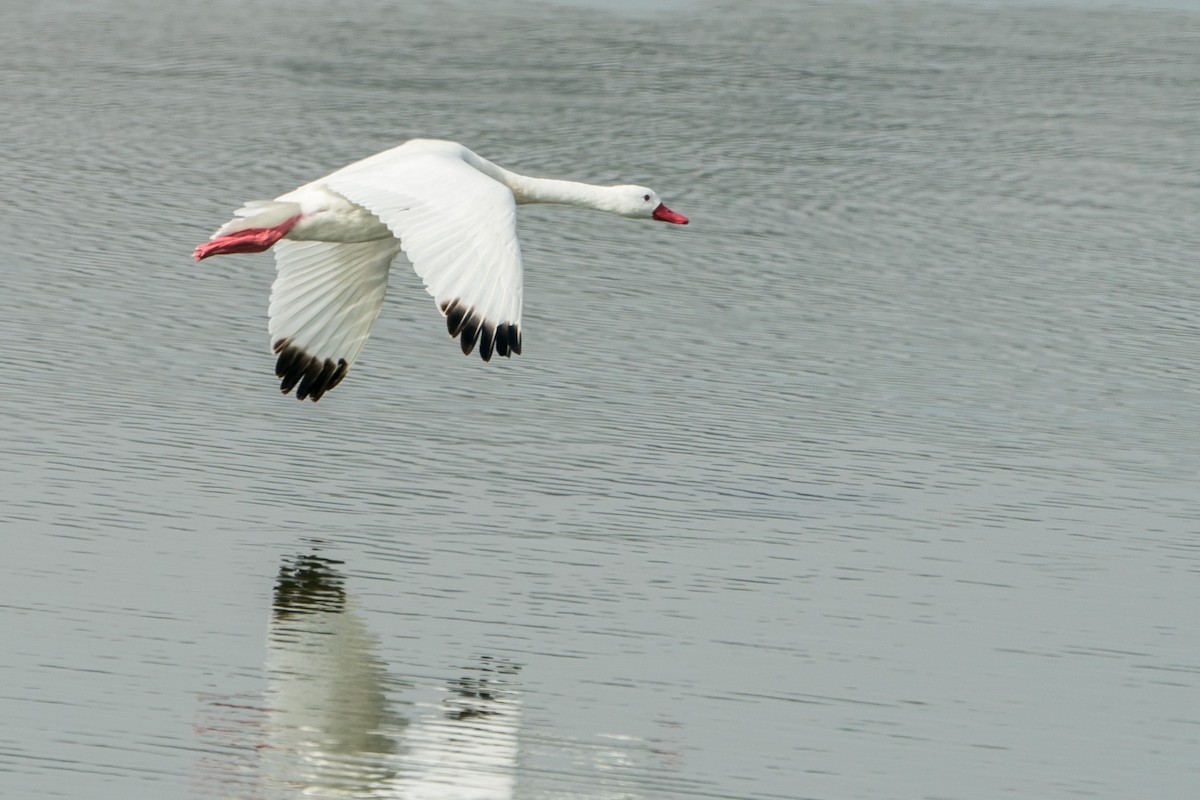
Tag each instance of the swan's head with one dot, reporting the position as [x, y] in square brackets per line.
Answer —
[640, 202]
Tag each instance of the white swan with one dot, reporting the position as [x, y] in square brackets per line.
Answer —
[453, 214]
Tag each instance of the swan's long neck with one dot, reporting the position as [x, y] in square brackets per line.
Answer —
[549, 190]
[568, 193]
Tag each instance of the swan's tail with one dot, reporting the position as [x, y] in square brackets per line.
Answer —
[254, 228]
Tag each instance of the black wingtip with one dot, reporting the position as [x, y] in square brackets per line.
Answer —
[502, 340]
[310, 376]
[469, 327]
[470, 333]
[487, 341]
[456, 315]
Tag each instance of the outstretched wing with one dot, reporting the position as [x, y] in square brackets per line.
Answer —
[324, 301]
[458, 228]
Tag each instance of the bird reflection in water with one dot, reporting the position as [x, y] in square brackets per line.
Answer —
[329, 724]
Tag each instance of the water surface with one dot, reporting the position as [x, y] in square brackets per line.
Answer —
[877, 480]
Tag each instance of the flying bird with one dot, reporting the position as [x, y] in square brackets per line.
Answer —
[450, 211]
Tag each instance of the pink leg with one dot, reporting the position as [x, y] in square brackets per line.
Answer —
[250, 240]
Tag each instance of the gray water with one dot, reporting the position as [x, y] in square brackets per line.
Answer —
[878, 480]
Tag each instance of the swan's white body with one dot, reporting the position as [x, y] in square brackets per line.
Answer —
[450, 211]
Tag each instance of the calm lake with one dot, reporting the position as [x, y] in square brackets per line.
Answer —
[877, 480]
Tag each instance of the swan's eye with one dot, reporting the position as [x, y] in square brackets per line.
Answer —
[646, 198]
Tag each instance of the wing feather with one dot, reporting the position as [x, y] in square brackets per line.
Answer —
[324, 302]
[458, 228]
